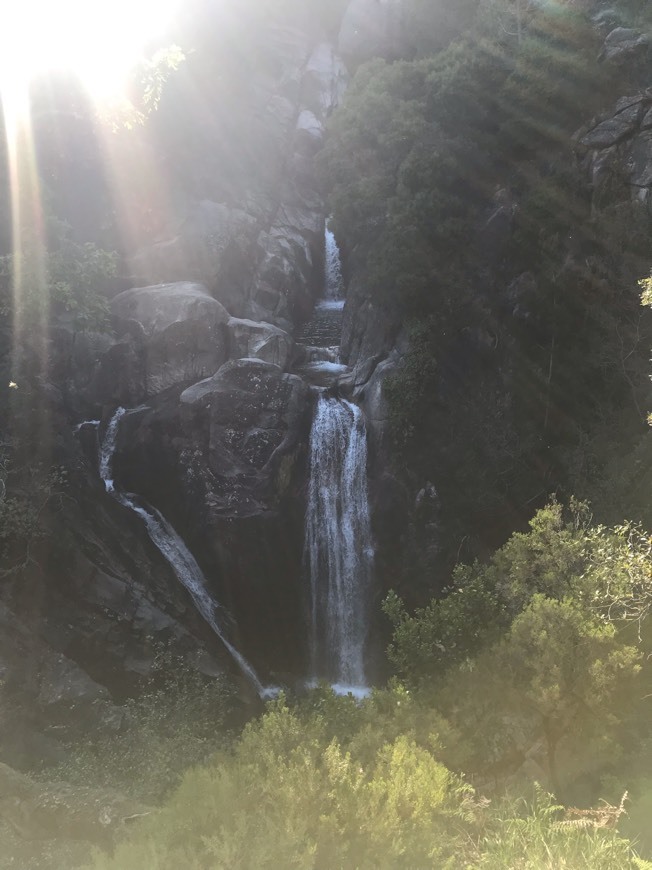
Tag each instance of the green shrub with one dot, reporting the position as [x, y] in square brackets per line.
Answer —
[56, 277]
[177, 721]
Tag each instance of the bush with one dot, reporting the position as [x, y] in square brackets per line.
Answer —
[177, 721]
[289, 797]
[55, 278]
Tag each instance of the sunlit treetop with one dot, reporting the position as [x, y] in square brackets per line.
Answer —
[97, 40]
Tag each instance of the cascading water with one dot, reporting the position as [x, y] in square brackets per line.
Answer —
[174, 551]
[338, 544]
[338, 549]
[323, 330]
[333, 266]
[107, 449]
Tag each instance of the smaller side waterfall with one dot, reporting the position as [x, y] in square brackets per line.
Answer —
[338, 545]
[175, 552]
[107, 449]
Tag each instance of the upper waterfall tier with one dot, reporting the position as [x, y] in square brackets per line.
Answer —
[334, 287]
[325, 327]
[322, 334]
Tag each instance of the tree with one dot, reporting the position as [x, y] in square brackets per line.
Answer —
[567, 668]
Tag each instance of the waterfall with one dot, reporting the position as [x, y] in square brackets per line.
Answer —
[338, 543]
[174, 551]
[325, 327]
[107, 449]
[333, 267]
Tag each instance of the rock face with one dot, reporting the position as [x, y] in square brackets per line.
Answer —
[184, 333]
[367, 331]
[616, 154]
[84, 619]
[231, 446]
[159, 307]
[247, 338]
[221, 448]
[261, 258]
[624, 46]
[621, 125]
[219, 280]
[253, 410]
[225, 462]
[205, 338]
[55, 690]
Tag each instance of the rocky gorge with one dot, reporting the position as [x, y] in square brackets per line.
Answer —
[216, 438]
[207, 345]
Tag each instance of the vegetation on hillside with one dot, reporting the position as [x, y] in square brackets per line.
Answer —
[457, 195]
[52, 283]
[515, 729]
[530, 680]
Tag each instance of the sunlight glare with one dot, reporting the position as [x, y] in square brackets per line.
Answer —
[98, 40]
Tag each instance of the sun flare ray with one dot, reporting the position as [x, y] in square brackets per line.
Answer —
[96, 42]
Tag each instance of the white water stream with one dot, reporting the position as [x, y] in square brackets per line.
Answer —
[338, 548]
[174, 551]
[333, 268]
[338, 545]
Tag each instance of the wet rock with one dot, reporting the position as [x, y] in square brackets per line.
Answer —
[259, 340]
[185, 332]
[613, 130]
[226, 465]
[310, 132]
[324, 81]
[625, 46]
[253, 407]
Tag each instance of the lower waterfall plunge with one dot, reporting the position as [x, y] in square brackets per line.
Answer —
[175, 552]
[338, 544]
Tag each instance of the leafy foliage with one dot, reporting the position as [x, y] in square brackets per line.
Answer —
[451, 176]
[532, 665]
[22, 512]
[148, 80]
[529, 833]
[289, 796]
[536, 645]
[57, 276]
[529, 665]
[178, 719]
